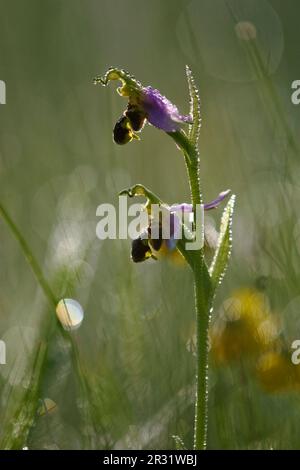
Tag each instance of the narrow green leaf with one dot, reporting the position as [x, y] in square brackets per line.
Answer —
[222, 254]
[194, 128]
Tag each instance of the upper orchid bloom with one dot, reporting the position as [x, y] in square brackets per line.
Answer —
[144, 104]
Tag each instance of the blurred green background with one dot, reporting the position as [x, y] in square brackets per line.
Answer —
[126, 378]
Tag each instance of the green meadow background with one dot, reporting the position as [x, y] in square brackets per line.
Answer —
[125, 378]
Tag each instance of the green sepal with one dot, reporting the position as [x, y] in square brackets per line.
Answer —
[219, 263]
[140, 190]
[194, 128]
[130, 85]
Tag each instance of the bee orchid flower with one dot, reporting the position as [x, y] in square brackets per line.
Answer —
[144, 104]
[150, 241]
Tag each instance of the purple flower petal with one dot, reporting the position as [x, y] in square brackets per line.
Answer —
[160, 111]
[184, 207]
[171, 244]
[213, 204]
[176, 212]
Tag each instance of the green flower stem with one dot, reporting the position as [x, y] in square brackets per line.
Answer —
[203, 284]
[203, 297]
[191, 156]
[203, 303]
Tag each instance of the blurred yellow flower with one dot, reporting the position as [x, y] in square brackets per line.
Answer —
[245, 327]
[276, 373]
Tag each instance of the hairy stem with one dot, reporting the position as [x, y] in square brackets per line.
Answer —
[191, 156]
[203, 307]
[203, 297]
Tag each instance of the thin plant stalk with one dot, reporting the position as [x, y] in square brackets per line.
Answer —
[202, 299]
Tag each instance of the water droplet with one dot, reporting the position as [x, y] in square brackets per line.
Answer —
[70, 314]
